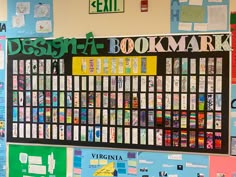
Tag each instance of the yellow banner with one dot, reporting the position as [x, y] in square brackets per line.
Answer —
[131, 65]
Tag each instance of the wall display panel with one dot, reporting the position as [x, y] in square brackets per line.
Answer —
[163, 164]
[36, 161]
[2, 107]
[154, 92]
[88, 162]
[30, 18]
[199, 16]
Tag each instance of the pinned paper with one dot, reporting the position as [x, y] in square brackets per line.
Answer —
[192, 13]
[185, 26]
[195, 2]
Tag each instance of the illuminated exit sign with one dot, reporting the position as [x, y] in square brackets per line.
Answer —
[106, 6]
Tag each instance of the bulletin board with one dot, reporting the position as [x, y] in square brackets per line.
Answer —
[145, 92]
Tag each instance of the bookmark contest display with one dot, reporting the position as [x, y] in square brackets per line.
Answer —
[150, 92]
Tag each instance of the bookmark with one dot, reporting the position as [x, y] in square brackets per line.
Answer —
[68, 116]
[27, 98]
[97, 134]
[83, 99]
[14, 130]
[193, 81]
[192, 120]
[127, 83]
[54, 83]
[184, 83]
[113, 66]
[48, 115]
[28, 130]
[219, 63]
[209, 140]
[143, 83]
[105, 66]
[48, 131]
[193, 66]
[48, 82]
[176, 66]
[127, 117]
[151, 83]
[209, 120]
[62, 99]
[34, 82]
[54, 115]
[135, 84]
[135, 118]
[41, 82]
[34, 67]
[127, 66]
[176, 101]
[201, 102]
[61, 115]
[27, 114]
[34, 114]
[34, 99]
[183, 138]
[218, 140]
[143, 100]
[159, 83]
[184, 103]
[105, 99]
[218, 120]
[120, 100]
[192, 101]
[83, 116]
[167, 137]
[120, 83]
[192, 139]
[202, 66]
[98, 99]
[167, 119]
[183, 120]
[105, 83]
[54, 132]
[211, 66]
[210, 84]
[76, 83]
[159, 118]
[218, 83]
[41, 131]
[21, 67]
[34, 131]
[41, 98]
[90, 116]
[134, 136]
[168, 65]
[104, 117]
[91, 66]
[41, 66]
[27, 82]
[168, 101]
[150, 118]
[21, 83]
[176, 84]
[41, 115]
[14, 83]
[62, 66]
[62, 83]
[112, 135]
[90, 134]
[168, 83]
[69, 83]
[218, 102]
[91, 83]
[97, 116]
[83, 133]
[135, 66]
[61, 132]
[159, 137]
[120, 66]
[98, 65]
[143, 133]
[76, 116]
[151, 100]
[175, 139]
[119, 135]
[112, 117]
[15, 66]
[184, 66]
[91, 99]
[150, 137]
[104, 134]
[119, 117]
[143, 65]
[201, 119]
[113, 83]
[21, 98]
[98, 83]
[175, 119]
[48, 66]
[84, 83]
[210, 102]
[159, 100]
[21, 114]
[134, 100]
[112, 100]
[76, 133]
[201, 140]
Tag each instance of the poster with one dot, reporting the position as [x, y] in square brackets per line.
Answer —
[172, 165]
[2, 107]
[30, 18]
[36, 160]
[199, 16]
[156, 92]
[222, 166]
[90, 162]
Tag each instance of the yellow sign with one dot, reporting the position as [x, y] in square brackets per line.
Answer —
[132, 65]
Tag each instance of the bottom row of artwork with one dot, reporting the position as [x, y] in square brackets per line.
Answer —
[78, 162]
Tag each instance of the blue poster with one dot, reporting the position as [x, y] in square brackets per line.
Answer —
[97, 162]
[172, 165]
[2, 106]
[199, 16]
[33, 18]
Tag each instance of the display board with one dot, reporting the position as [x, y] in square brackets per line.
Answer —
[154, 92]
[37, 161]
[199, 16]
[30, 18]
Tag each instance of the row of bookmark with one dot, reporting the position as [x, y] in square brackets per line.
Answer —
[119, 135]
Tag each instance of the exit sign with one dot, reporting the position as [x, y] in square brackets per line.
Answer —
[106, 6]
